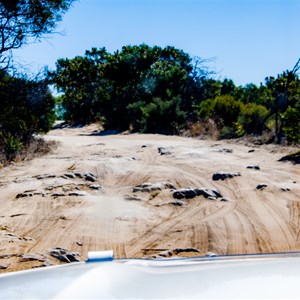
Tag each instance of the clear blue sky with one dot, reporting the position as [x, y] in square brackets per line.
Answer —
[249, 39]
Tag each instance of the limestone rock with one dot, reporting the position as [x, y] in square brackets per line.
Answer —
[255, 167]
[78, 194]
[63, 255]
[178, 203]
[150, 187]
[95, 186]
[4, 266]
[224, 175]
[90, 177]
[212, 194]
[163, 151]
[261, 186]
[132, 198]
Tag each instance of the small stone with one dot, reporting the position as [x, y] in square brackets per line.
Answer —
[4, 266]
[95, 186]
[63, 255]
[132, 198]
[32, 257]
[224, 175]
[39, 177]
[226, 150]
[55, 195]
[70, 175]
[255, 167]
[78, 194]
[224, 199]
[184, 193]
[178, 203]
[163, 151]
[79, 175]
[90, 177]
[261, 186]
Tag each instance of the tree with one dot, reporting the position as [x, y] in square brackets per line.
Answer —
[26, 108]
[128, 87]
[23, 21]
[81, 80]
[224, 110]
[252, 118]
[285, 91]
[292, 124]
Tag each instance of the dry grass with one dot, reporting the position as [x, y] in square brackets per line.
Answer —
[37, 148]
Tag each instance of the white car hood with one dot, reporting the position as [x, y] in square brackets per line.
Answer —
[274, 276]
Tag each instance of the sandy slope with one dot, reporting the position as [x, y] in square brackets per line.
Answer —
[252, 221]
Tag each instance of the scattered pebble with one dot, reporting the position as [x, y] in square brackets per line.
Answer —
[178, 203]
[163, 151]
[261, 186]
[4, 266]
[63, 255]
[224, 175]
[95, 186]
[211, 194]
[255, 167]
[132, 198]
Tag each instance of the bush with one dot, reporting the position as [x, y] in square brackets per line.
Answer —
[162, 116]
[224, 110]
[291, 126]
[252, 118]
[26, 109]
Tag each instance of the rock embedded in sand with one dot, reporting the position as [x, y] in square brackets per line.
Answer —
[78, 194]
[90, 177]
[225, 150]
[4, 266]
[32, 257]
[224, 175]
[69, 175]
[163, 151]
[184, 193]
[176, 251]
[178, 203]
[212, 194]
[95, 186]
[63, 255]
[132, 198]
[44, 176]
[261, 186]
[77, 174]
[255, 167]
[151, 187]
[224, 199]
[55, 195]
[23, 195]
[294, 158]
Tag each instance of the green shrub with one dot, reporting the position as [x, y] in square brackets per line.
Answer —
[252, 118]
[291, 126]
[224, 110]
[11, 146]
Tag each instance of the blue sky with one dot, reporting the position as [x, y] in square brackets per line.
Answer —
[248, 39]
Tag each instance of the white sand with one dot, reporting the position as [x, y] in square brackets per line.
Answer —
[252, 221]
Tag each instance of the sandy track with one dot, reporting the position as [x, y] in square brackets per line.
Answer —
[252, 221]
